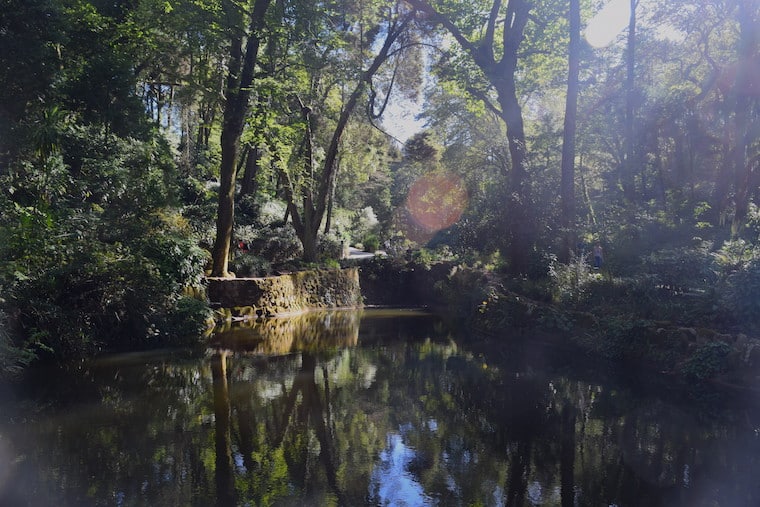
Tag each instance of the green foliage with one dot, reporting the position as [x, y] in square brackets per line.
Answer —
[751, 230]
[364, 176]
[734, 256]
[330, 248]
[363, 224]
[737, 264]
[110, 296]
[622, 337]
[740, 294]
[99, 231]
[12, 357]
[193, 191]
[30, 32]
[682, 269]
[95, 256]
[276, 244]
[248, 264]
[640, 295]
[707, 361]
[424, 257]
[464, 290]
[570, 281]
[371, 243]
[554, 318]
[177, 258]
[185, 321]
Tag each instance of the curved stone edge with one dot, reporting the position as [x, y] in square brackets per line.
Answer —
[286, 294]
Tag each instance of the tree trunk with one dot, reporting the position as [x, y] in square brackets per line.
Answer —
[519, 216]
[501, 74]
[248, 185]
[743, 91]
[567, 186]
[307, 222]
[720, 194]
[586, 196]
[629, 164]
[519, 222]
[237, 95]
[331, 202]
[519, 472]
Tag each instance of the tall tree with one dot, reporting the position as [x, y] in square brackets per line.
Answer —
[308, 199]
[189, 68]
[630, 165]
[567, 189]
[497, 58]
[244, 50]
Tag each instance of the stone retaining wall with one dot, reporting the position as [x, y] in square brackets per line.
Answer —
[289, 293]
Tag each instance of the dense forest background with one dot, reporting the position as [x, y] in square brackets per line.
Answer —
[142, 140]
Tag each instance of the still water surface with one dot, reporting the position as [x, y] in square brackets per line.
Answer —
[371, 408]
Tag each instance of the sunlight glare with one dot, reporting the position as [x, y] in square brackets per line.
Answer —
[402, 123]
[607, 24]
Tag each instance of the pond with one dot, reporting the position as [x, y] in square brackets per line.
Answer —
[371, 408]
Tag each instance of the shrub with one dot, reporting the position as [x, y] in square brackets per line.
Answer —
[371, 243]
[707, 361]
[738, 266]
[623, 337]
[398, 246]
[250, 265]
[85, 278]
[109, 296]
[570, 281]
[330, 248]
[363, 223]
[194, 191]
[185, 322]
[464, 289]
[12, 357]
[682, 269]
[278, 244]
[740, 294]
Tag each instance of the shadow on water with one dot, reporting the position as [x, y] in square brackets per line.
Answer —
[369, 408]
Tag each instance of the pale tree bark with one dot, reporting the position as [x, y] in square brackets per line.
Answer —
[242, 63]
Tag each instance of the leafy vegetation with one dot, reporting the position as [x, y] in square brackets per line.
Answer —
[145, 144]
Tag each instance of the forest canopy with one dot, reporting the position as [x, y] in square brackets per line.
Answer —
[142, 141]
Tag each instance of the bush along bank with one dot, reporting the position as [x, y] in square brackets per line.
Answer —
[621, 334]
[631, 322]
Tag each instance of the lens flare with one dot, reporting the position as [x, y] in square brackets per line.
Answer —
[437, 200]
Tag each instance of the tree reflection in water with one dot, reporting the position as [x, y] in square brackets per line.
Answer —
[393, 411]
[225, 479]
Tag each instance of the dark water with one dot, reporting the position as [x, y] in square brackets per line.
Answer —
[384, 409]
